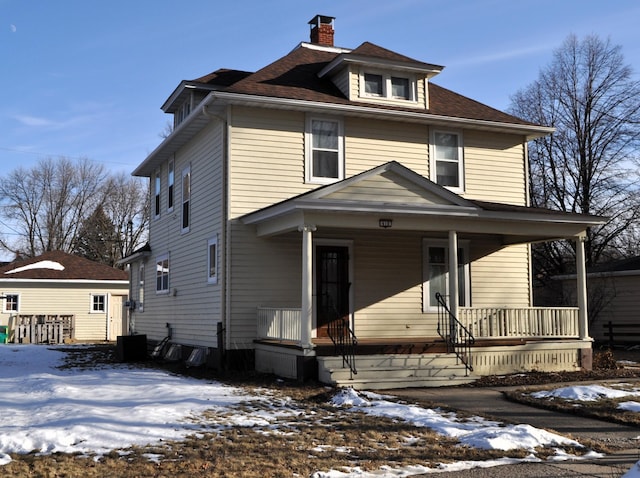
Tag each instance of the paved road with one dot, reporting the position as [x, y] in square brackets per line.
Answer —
[491, 402]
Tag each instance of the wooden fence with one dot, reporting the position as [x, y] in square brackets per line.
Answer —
[43, 329]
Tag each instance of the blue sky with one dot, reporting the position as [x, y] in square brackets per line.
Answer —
[87, 79]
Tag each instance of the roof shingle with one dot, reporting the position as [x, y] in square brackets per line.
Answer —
[74, 267]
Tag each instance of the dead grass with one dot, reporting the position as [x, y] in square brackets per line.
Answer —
[318, 438]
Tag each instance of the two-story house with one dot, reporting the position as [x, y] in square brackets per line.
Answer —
[338, 214]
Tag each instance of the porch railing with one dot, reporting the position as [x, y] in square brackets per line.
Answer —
[526, 322]
[279, 323]
[457, 337]
[482, 322]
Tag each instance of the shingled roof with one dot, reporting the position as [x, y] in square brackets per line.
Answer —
[57, 265]
[296, 76]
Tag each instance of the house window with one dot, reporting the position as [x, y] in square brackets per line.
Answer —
[447, 164]
[162, 274]
[373, 84]
[436, 274]
[212, 261]
[325, 163]
[400, 88]
[98, 303]
[186, 198]
[156, 189]
[141, 288]
[11, 303]
[384, 85]
[170, 181]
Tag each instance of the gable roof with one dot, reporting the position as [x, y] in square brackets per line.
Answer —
[58, 265]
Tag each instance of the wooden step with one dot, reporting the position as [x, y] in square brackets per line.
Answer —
[375, 372]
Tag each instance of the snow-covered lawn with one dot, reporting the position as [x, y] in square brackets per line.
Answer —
[96, 410]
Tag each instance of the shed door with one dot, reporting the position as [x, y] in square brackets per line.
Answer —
[332, 286]
[117, 318]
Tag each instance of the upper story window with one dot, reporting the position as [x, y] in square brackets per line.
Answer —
[11, 303]
[373, 84]
[156, 190]
[388, 86]
[162, 274]
[212, 253]
[182, 112]
[324, 152]
[400, 88]
[447, 165]
[186, 198]
[170, 183]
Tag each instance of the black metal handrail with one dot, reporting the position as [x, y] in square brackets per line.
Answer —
[457, 337]
[344, 340]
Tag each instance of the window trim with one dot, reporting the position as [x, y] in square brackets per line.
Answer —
[159, 260]
[433, 163]
[186, 200]
[465, 268]
[387, 88]
[157, 189]
[92, 309]
[4, 303]
[309, 177]
[212, 279]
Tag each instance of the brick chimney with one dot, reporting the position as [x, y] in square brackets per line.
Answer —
[322, 30]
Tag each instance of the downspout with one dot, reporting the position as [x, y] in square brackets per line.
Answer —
[225, 294]
[527, 202]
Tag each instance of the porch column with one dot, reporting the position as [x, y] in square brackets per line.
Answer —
[306, 313]
[453, 273]
[581, 288]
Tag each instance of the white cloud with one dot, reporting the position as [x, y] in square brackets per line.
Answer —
[13, 28]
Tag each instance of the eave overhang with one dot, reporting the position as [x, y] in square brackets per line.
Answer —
[345, 59]
[514, 227]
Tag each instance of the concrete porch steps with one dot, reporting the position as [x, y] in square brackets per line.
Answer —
[379, 372]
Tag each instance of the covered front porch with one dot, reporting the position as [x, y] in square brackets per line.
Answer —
[404, 283]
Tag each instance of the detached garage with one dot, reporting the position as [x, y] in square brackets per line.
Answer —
[58, 288]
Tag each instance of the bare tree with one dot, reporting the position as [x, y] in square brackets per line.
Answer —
[47, 203]
[127, 205]
[55, 205]
[589, 95]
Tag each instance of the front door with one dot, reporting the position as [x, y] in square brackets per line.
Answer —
[332, 286]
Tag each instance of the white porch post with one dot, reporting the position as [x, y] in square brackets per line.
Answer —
[306, 314]
[453, 273]
[581, 287]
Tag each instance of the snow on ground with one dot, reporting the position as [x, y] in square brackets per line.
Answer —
[48, 409]
[586, 393]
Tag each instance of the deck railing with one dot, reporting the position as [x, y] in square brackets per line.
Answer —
[526, 322]
[279, 323]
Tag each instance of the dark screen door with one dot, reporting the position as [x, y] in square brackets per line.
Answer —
[332, 286]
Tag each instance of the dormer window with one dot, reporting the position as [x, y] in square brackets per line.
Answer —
[182, 112]
[400, 88]
[373, 84]
[387, 86]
